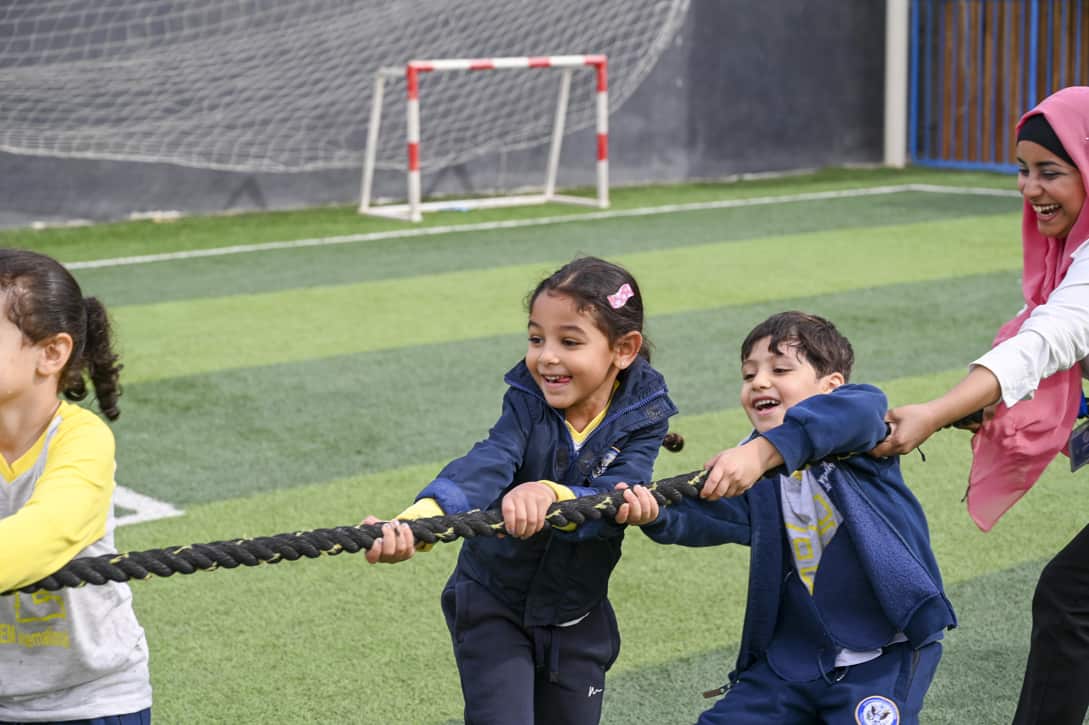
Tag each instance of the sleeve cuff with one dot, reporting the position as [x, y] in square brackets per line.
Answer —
[788, 438]
[563, 493]
[423, 509]
[448, 494]
[1012, 378]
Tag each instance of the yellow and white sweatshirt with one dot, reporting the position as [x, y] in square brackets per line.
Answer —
[75, 653]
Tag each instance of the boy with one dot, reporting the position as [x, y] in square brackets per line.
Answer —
[845, 607]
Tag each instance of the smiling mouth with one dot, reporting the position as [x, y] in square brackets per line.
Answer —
[556, 379]
[1046, 209]
[765, 404]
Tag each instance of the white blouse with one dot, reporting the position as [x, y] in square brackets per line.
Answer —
[1054, 337]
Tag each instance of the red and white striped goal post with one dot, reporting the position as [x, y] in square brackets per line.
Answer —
[413, 210]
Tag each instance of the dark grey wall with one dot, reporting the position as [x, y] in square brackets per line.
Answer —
[746, 86]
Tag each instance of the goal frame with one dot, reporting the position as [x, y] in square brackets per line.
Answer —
[414, 208]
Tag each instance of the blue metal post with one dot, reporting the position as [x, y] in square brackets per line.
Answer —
[981, 89]
[1077, 81]
[928, 90]
[913, 84]
[1064, 60]
[942, 73]
[966, 45]
[1034, 33]
[1006, 70]
[996, 120]
[1048, 47]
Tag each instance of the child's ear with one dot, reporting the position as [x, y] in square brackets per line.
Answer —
[55, 352]
[627, 348]
[831, 381]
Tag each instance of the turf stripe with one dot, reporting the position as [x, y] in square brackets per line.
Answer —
[377, 260]
[289, 424]
[506, 224]
[180, 338]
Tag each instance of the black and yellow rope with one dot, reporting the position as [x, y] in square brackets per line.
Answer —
[330, 542]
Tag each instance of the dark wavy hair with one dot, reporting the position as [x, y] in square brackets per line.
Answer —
[43, 299]
[590, 282]
[817, 339]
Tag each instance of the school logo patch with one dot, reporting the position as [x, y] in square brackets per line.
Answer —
[877, 710]
[609, 456]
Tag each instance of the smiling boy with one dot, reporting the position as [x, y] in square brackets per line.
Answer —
[845, 607]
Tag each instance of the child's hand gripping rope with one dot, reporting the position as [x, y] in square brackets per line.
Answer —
[352, 539]
[524, 510]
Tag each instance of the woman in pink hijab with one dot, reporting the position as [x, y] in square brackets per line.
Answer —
[1031, 381]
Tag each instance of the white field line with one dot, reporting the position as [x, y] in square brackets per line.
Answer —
[144, 508]
[541, 221]
[972, 190]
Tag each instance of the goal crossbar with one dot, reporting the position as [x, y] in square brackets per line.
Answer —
[414, 208]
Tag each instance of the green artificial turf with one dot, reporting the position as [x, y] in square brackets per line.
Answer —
[169, 339]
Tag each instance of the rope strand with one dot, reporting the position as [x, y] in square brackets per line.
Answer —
[165, 562]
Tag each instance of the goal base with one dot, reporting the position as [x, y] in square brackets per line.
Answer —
[404, 212]
[414, 208]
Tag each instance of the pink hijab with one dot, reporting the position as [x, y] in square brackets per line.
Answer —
[1011, 451]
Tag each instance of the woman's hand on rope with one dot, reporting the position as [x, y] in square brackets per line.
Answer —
[973, 423]
[639, 506]
[525, 507]
[909, 427]
[397, 542]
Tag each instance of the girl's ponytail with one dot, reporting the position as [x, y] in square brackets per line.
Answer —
[100, 359]
[673, 442]
[42, 299]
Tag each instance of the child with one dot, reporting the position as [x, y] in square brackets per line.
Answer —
[532, 628]
[76, 655]
[846, 607]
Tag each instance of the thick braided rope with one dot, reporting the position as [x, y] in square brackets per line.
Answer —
[330, 542]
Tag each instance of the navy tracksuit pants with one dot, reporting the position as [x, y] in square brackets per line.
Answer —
[887, 690]
[142, 717]
[511, 673]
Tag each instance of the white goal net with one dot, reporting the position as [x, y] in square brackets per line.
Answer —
[285, 85]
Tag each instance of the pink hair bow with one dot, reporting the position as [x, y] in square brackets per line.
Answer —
[621, 296]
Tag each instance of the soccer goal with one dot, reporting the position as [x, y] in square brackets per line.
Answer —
[417, 135]
[285, 86]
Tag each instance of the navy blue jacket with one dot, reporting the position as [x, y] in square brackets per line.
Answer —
[554, 577]
[886, 524]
